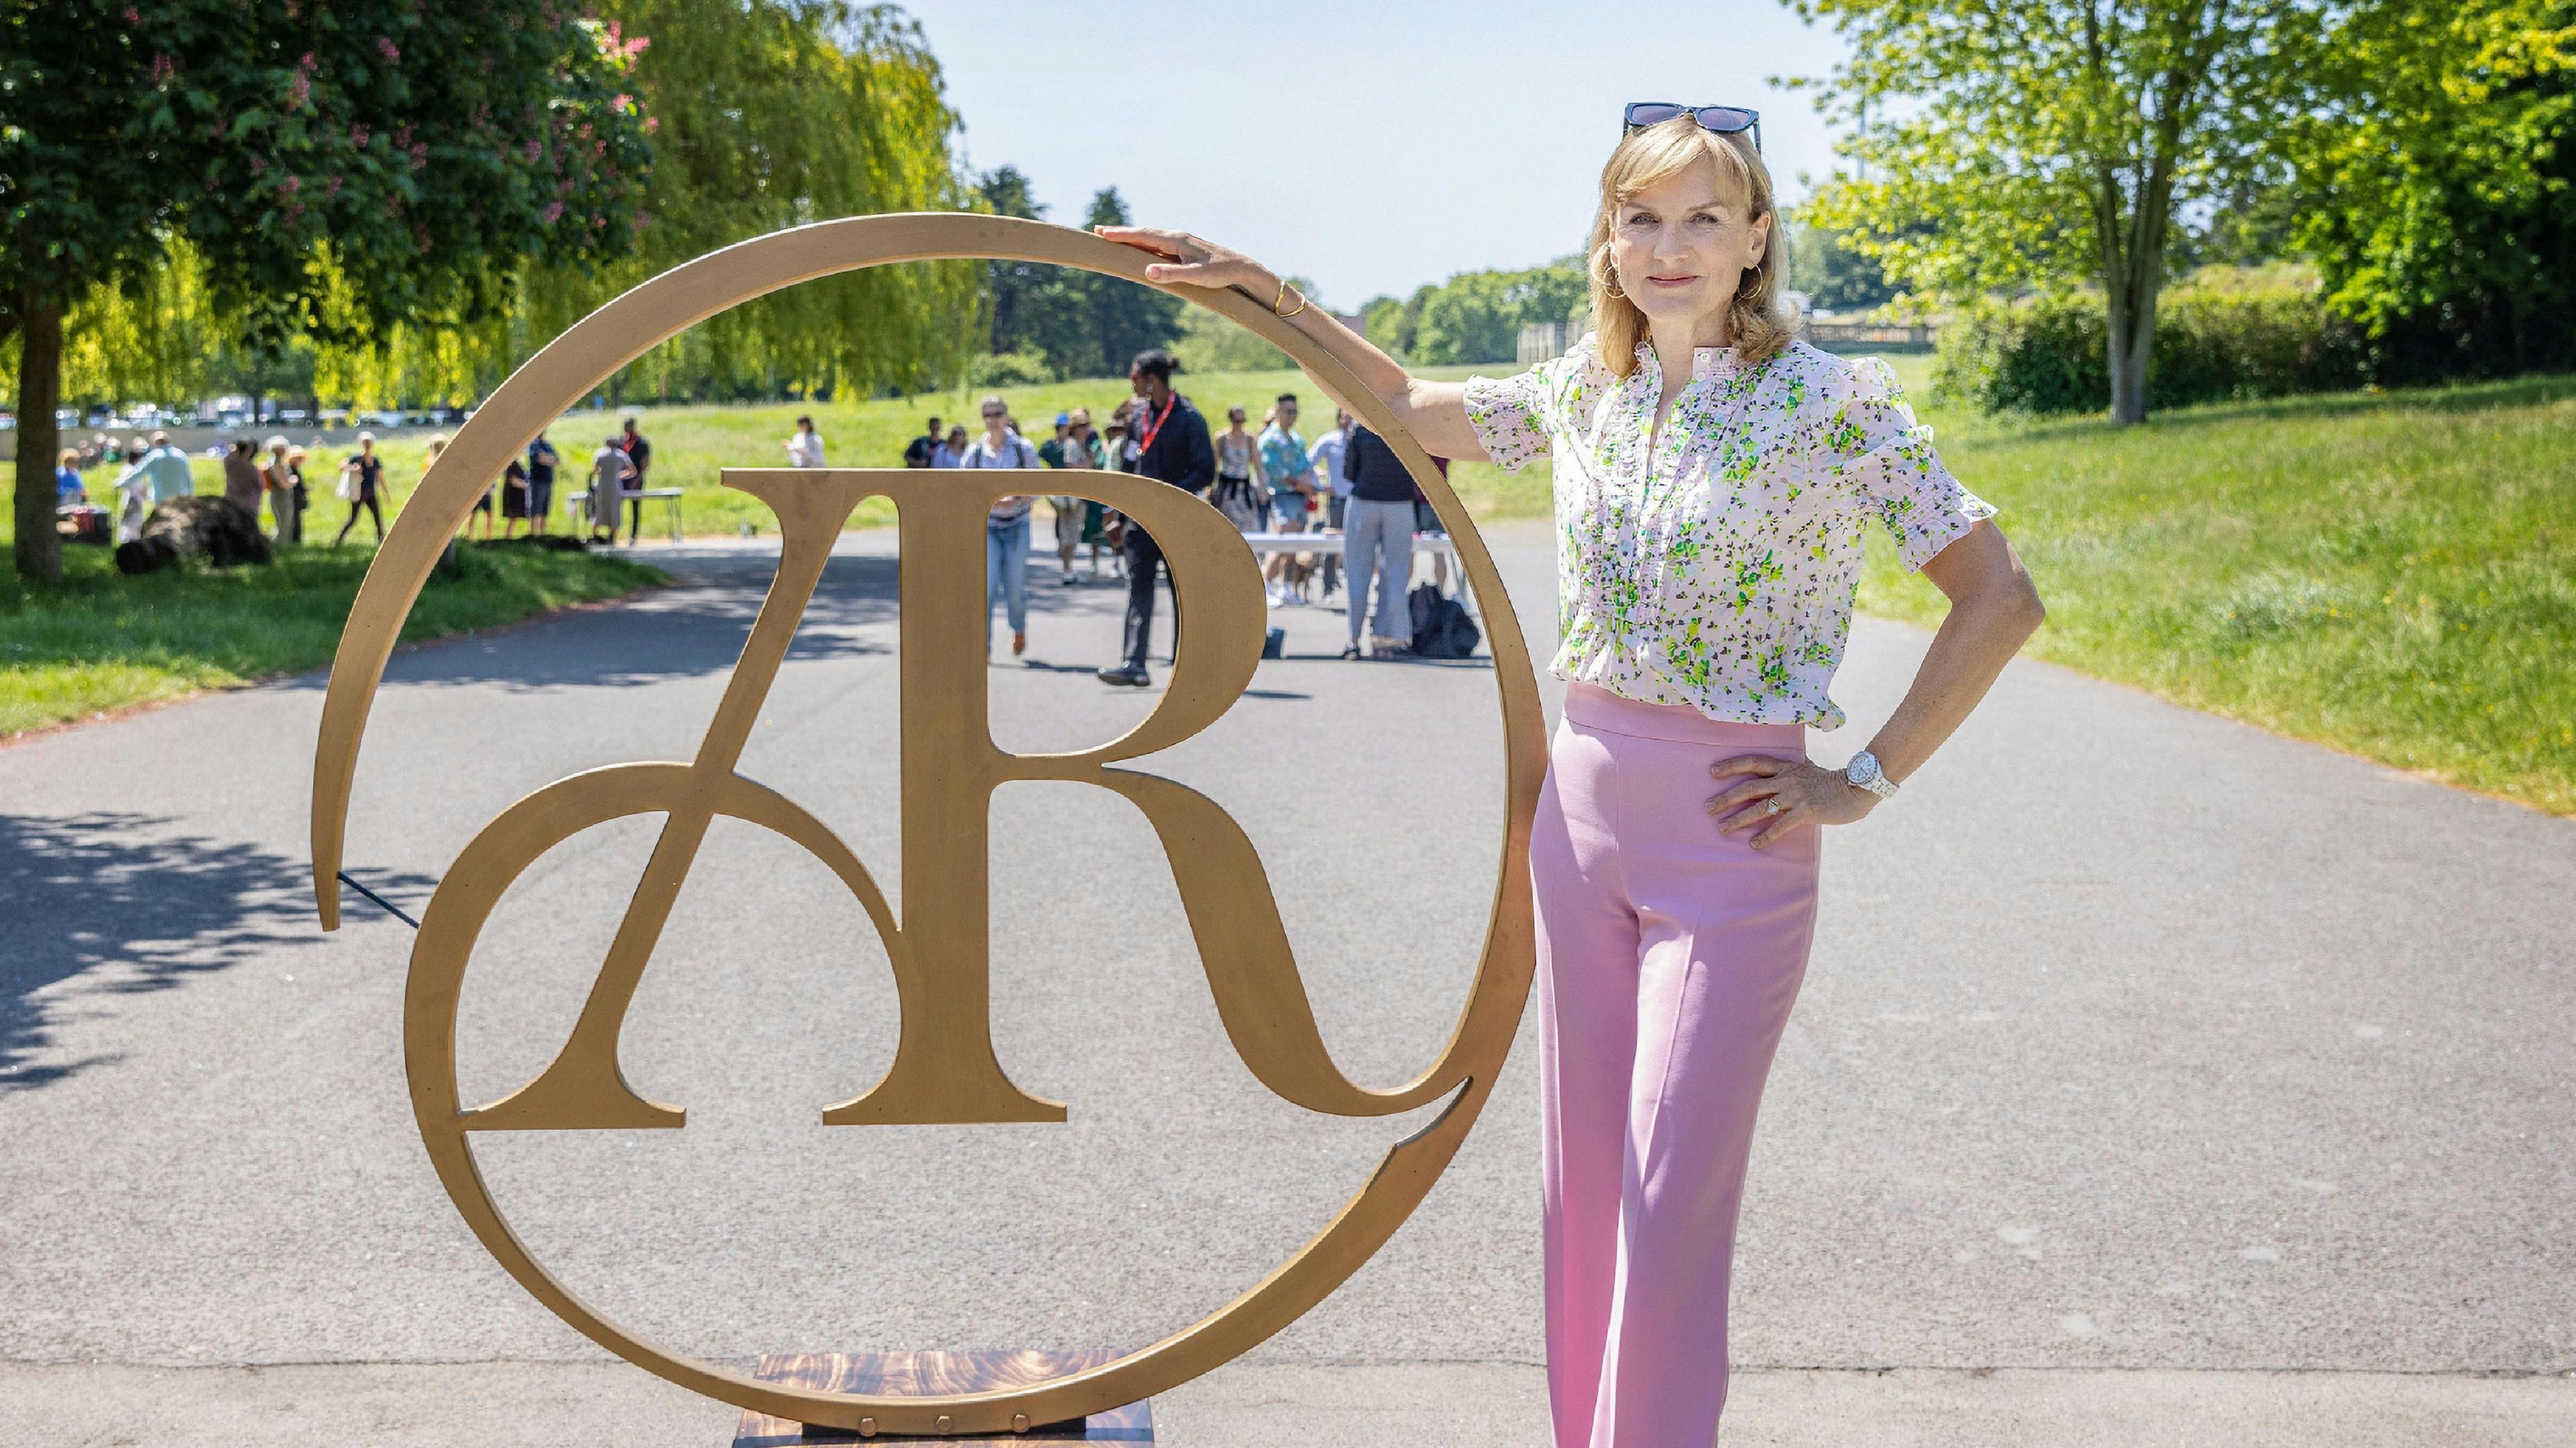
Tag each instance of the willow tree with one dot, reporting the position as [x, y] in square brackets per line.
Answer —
[418, 152]
[770, 114]
[2055, 141]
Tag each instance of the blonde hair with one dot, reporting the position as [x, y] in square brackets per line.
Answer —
[1653, 155]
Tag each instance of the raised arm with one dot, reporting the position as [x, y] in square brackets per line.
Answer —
[1434, 412]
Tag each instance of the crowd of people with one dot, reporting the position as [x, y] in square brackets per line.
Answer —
[154, 470]
[1347, 482]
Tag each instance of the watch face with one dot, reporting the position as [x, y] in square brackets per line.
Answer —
[1863, 769]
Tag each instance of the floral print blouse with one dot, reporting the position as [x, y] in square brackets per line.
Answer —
[1718, 571]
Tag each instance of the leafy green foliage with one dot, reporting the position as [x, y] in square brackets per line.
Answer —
[2055, 141]
[772, 114]
[2437, 186]
[1083, 324]
[337, 169]
[2218, 339]
[1835, 274]
[1476, 316]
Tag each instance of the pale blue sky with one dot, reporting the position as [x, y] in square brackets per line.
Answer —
[1371, 146]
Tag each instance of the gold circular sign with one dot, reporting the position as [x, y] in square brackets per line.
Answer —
[944, 1069]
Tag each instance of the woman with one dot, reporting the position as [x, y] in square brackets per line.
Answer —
[362, 482]
[514, 496]
[610, 473]
[1006, 525]
[1073, 520]
[242, 484]
[1712, 481]
[1242, 494]
[279, 479]
[68, 487]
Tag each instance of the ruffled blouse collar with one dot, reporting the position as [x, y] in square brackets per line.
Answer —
[1705, 361]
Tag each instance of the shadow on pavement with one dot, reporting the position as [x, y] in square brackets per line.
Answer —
[115, 895]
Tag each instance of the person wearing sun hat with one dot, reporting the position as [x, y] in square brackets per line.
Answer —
[1073, 446]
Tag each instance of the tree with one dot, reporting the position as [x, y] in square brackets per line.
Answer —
[2436, 186]
[1835, 275]
[1034, 307]
[2056, 140]
[1123, 318]
[771, 114]
[413, 156]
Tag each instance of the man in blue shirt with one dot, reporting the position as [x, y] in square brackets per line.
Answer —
[1292, 489]
[168, 468]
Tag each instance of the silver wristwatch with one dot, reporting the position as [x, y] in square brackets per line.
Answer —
[1864, 772]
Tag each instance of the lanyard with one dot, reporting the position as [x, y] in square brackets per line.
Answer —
[1156, 430]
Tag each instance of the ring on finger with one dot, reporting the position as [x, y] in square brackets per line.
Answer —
[1771, 806]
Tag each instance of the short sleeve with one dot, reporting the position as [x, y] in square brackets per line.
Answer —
[1872, 441]
[1513, 416]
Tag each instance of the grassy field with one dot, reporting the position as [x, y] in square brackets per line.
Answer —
[2393, 574]
[98, 640]
[691, 445]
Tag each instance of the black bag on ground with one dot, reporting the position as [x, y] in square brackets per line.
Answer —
[1441, 627]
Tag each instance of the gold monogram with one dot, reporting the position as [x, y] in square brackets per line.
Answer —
[944, 1068]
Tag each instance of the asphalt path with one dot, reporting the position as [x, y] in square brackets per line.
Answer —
[2134, 1039]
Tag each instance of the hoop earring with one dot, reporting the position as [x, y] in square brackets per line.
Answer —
[1752, 274]
[1610, 286]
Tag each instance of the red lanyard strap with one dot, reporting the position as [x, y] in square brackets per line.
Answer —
[1156, 430]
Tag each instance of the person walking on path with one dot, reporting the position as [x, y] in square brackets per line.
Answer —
[1377, 541]
[1327, 458]
[923, 451]
[542, 462]
[362, 482]
[951, 453]
[1172, 445]
[639, 456]
[279, 479]
[1291, 474]
[241, 477]
[611, 474]
[1713, 480]
[1077, 449]
[805, 448]
[1006, 526]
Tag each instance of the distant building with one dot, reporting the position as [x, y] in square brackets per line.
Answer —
[1542, 341]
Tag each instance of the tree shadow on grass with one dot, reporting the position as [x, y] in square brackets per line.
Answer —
[112, 904]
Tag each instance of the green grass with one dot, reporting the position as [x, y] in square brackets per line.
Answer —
[691, 445]
[98, 641]
[2393, 574]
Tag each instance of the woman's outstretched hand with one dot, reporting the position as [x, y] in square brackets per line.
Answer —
[1192, 262]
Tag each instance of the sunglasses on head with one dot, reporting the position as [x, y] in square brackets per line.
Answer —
[1725, 120]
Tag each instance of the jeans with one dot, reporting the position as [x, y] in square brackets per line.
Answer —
[1006, 575]
[1378, 537]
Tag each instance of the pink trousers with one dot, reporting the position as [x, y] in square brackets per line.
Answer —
[1668, 957]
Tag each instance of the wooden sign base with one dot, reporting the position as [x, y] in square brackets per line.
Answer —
[923, 1374]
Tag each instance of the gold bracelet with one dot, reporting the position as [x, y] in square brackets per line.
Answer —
[1283, 296]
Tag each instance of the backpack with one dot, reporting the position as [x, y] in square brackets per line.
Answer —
[1441, 627]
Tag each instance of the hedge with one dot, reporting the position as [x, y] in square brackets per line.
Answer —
[2213, 344]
